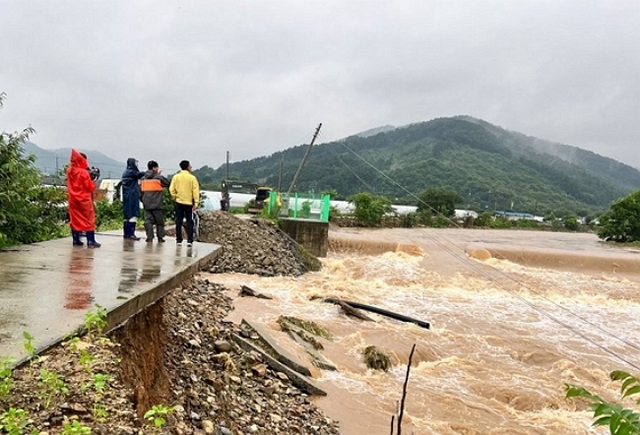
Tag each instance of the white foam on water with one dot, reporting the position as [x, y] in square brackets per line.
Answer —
[489, 356]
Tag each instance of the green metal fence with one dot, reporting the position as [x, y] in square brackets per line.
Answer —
[299, 206]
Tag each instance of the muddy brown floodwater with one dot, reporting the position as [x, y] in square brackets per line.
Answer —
[514, 314]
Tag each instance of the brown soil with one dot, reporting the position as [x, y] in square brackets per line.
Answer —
[142, 344]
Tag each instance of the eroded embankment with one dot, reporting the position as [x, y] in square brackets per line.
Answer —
[179, 352]
[142, 352]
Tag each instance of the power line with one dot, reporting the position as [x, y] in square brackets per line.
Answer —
[529, 303]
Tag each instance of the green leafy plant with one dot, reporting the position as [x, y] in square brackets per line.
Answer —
[620, 420]
[95, 321]
[100, 413]
[100, 381]
[86, 359]
[14, 421]
[75, 428]
[28, 343]
[6, 373]
[51, 385]
[157, 415]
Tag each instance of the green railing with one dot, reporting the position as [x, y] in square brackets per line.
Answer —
[299, 206]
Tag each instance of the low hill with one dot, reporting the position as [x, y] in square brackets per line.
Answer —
[491, 167]
[48, 160]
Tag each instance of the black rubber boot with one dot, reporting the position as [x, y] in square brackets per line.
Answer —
[91, 240]
[76, 238]
[132, 231]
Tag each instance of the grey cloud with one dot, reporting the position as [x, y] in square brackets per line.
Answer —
[172, 80]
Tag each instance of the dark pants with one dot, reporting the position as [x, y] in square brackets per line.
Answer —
[183, 212]
[151, 218]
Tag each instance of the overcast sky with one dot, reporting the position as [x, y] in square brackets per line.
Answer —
[173, 80]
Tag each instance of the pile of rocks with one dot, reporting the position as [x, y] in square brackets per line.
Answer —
[218, 387]
[254, 246]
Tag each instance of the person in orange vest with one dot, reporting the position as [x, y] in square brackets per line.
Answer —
[152, 195]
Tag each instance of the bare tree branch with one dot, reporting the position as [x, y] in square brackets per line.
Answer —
[404, 391]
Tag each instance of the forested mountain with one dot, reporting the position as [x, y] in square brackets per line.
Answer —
[490, 167]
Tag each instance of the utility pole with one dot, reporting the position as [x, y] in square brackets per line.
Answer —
[280, 172]
[304, 159]
[56, 165]
[226, 177]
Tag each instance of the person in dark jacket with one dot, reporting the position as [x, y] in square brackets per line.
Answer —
[152, 186]
[131, 198]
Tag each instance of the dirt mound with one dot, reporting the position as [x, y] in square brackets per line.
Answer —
[254, 246]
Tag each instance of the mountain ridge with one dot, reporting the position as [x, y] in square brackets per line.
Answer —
[490, 166]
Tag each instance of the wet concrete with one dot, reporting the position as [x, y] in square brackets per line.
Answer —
[46, 288]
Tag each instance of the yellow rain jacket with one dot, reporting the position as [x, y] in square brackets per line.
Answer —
[184, 188]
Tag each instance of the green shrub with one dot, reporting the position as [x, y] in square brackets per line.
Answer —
[484, 219]
[440, 222]
[424, 217]
[370, 209]
[29, 211]
[571, 223]
[622, 222]
[108, 215]
[500, 222]
[527, 223]
[441, 199]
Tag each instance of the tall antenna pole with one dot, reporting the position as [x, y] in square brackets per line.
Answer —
[304, 159]
[226, 177]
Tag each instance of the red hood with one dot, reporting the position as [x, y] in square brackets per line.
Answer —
[77, 161]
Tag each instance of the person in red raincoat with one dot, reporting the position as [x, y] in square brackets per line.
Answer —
[80, 189]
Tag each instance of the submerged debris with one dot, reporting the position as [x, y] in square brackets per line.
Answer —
[303, 334]
[377, 359]
[307, 325]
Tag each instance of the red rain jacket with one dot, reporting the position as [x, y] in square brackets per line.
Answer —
[79, 190]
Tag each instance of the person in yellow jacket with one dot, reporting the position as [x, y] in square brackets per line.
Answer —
[185, 192]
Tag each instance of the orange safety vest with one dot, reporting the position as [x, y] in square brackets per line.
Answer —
[150, 185]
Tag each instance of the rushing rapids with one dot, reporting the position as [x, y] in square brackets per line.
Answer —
[505, 335]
